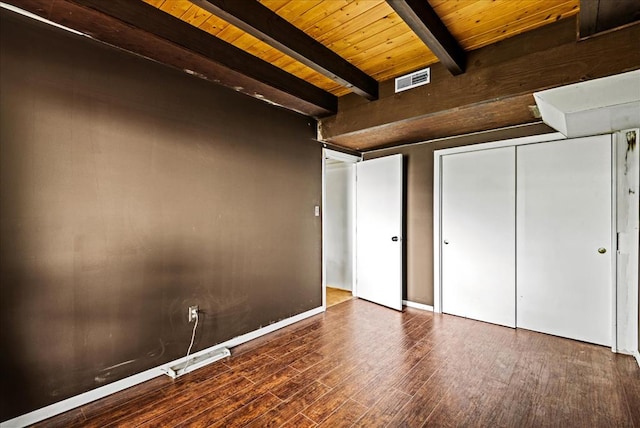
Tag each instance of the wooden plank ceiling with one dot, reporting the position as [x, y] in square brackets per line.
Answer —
[369, 33]
[335, 59]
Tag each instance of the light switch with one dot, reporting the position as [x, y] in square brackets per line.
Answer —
[317, 210]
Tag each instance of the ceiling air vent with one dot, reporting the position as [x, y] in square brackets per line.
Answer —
[412, 80]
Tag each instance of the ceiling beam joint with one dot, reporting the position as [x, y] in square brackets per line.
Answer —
[588, 17]
[424, 21]
[267, 26]
[161, 24]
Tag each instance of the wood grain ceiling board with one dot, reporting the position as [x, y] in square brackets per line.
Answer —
[475, 25]
[218, 27]
[370, 35]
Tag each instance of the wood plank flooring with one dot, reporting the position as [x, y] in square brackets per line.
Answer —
[337, 295]
[363, 365]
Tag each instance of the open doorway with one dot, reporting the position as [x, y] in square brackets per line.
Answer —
[339, 227]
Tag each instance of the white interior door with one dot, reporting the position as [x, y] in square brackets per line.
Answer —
[564, 229]
[478, 235]
[379, 231]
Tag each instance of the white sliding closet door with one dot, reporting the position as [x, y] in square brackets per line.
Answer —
[478, 235]
[564, 238]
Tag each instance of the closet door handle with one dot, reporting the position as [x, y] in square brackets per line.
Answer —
[446, 242]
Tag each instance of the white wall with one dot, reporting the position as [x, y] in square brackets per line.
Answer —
[339, 181]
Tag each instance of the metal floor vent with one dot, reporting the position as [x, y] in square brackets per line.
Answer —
[412, 80]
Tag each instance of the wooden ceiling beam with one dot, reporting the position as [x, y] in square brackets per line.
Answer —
[147, 31]
[496, 91]
[596, 16]
[155, 21]
[424, 21]
[588, 17]
[269, 27]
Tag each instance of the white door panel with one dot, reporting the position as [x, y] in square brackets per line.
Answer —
[478, 235]
[379, 219]
[564, 217]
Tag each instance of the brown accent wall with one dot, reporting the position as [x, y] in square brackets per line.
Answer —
[129, 191]
[418, 164]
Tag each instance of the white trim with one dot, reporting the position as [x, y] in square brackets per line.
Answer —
[323, 221]
[437, 232]
[633, 284]
[342, 157]
[346, 158]
[354, 232]
[81, 399]
[533, 139]
[95, 394]
[264, 330]
[627, 233]
[415, 305]
[614, 250]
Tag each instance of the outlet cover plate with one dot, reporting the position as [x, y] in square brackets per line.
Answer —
[193, 311]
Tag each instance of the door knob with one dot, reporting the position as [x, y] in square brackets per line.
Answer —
[446, 242]
[602, 250]
[395, 239]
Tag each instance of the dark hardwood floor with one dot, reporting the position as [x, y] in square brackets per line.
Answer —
[360, 364]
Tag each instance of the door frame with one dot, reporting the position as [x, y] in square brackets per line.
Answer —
[346, 158]
[626, 207]
[437, 221]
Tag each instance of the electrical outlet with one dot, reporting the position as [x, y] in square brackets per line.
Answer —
[193, 313]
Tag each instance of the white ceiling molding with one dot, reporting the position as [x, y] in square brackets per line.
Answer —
[598, 106]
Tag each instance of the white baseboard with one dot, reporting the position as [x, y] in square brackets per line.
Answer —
[415, 305]
[103, 391]
[81, 399]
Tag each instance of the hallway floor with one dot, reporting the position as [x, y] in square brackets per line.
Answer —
[337, 295]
